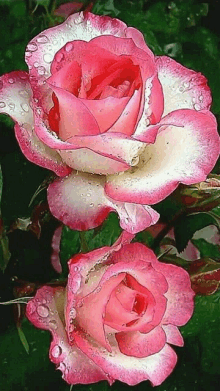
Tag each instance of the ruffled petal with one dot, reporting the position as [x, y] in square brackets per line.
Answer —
[173, 335]
[155, 368]
[79, 201]
[97, 302]
[137, 344]
[179, 296]
[186, 149]
[44, 311]
[15, 100]
[182, 87]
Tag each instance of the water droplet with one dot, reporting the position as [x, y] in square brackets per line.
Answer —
[42, 39]
[56, 351]
[48, 58]
[71, 328]
[69, 47]
[134, 160]
[201, 98]
[79, 19]
[2, 104]
[32, 47]
[88, 194]
[28, 54]
[72, 313]
[41, 70]
[43, 310]
[36, 64]
[53, 324]
[35, 100]
[12, 106]
[186, 84]
[62, 367]
[25, 107]
[91, 205]
[11, 81]
[196, 106]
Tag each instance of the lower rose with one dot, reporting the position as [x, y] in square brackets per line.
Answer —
[117, 317]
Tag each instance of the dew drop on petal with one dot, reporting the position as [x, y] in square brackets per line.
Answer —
[11, 81]
[41, 70]
[196, 106]
[91, 205]
[72, 313]
[32, 47]
[56, 351]
[2, 105]
[12, 106]
[43, 311]
[53, 324]
[69, 47]
[62, 367]
[48, 58]
[36, 64]
[42, 39]
[25, 107]
[59, 57]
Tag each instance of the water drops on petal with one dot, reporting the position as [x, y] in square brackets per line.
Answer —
[43, 311]
[42, 39]
[56, 351]
[32, 47]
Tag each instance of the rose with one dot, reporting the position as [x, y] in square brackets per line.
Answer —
[120, 126]
[117, 317]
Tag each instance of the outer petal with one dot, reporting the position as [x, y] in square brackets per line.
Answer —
[130, 370]
[179, 296]
[173, 335]
[79, 202]
[182, 87]
[44, 311]
[136, 344]
[185, 150]
[15, 98]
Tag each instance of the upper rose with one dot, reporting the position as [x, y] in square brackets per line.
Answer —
[118, 316]
[98, 101]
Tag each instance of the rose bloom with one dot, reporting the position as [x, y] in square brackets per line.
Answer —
[117, 317]
[119, 126]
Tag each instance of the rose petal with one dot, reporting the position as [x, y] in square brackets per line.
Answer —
[116, 313]
[156, 368]
[15, 98]
[126, 296]
[97, 301]
[55, 244]
[173, 335]
[179, 296]
[185, 151]
[136, 344]
[79, 202]
[44, 312]
[182, 87]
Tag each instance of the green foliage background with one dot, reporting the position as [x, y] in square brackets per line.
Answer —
[185, 30]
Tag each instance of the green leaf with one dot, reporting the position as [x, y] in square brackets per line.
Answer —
[23, 339]
[188, 225]
[69, 245]
[207, 249]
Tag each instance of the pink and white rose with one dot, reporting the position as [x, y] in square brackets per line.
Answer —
[119, 126]
[118, 316]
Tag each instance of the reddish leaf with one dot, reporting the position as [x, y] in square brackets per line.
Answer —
[205, 276]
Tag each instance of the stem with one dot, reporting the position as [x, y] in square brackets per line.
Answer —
[84, 248]
[167, 228]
